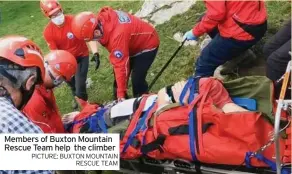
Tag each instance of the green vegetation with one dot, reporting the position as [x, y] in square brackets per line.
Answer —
[25, 18]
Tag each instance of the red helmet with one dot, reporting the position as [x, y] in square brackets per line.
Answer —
[83, 25]
[62, 63]
[22, 52]
[49, 7]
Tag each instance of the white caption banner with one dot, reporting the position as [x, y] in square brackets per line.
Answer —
[59, 152]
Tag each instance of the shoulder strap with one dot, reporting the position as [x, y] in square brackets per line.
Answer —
[192, 85]
[133, 126]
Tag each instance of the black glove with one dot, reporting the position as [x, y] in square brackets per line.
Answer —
[95, 58]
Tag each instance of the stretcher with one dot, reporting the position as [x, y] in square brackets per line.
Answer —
[180, 166]
[145, 164]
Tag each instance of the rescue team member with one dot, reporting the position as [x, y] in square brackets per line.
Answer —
[42, 109]
[21, 68]
[239, 24]
[132, 44]
[276, 51]
[59, 36]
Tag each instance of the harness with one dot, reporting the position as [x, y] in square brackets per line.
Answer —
[95, 122]
[140, 123]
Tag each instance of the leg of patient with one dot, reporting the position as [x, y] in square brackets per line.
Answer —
[125, 109]
[221, 97]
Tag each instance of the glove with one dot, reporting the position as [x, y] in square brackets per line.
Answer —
[95, 58]
[190, 36]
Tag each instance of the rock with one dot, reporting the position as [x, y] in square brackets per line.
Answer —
[149, 7]
[165, 14]
[89, 82]
[179, 37]
[161, 11]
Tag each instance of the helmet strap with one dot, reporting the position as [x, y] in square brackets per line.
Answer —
[26, 94]
[4, 93]
[99, 27]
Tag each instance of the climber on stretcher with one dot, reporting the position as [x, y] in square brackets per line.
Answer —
[196, 115]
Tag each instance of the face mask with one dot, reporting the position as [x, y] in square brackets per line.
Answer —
[58, 20]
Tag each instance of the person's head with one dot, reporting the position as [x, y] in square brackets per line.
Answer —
[60, 66]
[21, 68]
[85, 26]
[53, 10]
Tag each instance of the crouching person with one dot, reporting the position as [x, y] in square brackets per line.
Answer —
[42, 109]
[21, 69]
[276, 52]
[131, 42]
[235, 26]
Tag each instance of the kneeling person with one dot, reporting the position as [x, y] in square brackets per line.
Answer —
[42, 109]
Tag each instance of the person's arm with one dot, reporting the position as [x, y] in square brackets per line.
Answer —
[119, 58]
[49, 39]
[93, 45]
[216, 11]
[94, 49]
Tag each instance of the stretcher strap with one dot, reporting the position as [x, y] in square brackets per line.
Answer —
[192, 84]
[144, 128]
[137, 128]
[185, 89]
[260, 157]
[97, 123]
[73, 123]
[154, 145]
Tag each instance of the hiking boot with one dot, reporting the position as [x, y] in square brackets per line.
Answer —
[248, 58]
[218, 73]
[245, 59]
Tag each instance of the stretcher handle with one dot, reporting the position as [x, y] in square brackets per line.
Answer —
[278, 117]
[166, 65]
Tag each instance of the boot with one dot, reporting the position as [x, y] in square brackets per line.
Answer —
[82, 103]
[244, 59]
[248, 58]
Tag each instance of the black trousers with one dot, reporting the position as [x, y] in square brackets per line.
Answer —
[276, 52]
[78, 82]
[139, 66]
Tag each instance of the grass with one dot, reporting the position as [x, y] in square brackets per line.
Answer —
[26, 19]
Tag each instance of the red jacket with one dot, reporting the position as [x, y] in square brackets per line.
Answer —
[125, 35]
[224, 14]
[43, 111]
[62, 38]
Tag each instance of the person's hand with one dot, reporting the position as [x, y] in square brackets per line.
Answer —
[68, 118]
[190, 36]
[95, 58]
